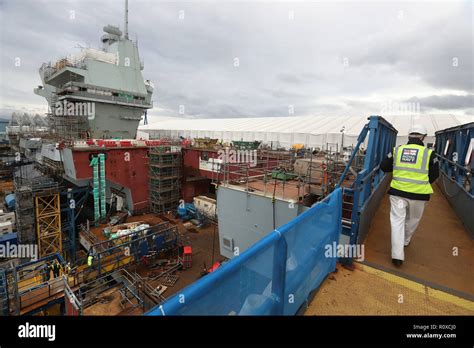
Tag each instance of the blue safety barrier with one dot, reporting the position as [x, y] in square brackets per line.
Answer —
[273, 277]
[455, 151]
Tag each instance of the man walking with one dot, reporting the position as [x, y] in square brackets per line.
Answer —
[414, 168]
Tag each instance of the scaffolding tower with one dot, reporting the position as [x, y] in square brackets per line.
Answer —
[48, 223]
[65, 126]
[24, 207]
[38, 211]
[165, 178]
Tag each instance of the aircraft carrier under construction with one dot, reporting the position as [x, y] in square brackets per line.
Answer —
[101, 217]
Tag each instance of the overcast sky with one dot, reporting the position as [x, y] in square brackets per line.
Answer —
[268, 58]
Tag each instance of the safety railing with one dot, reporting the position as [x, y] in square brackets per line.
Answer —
[381, 141]
[455, 150]
[42, 293]
[273, 277]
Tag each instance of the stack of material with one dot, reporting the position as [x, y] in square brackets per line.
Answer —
[7, 223]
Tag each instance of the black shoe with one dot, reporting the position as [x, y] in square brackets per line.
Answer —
[397, 262]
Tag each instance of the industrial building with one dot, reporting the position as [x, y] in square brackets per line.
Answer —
[99, 216]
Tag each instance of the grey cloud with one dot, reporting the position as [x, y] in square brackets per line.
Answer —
[445, 102]
[282, 61]
[440, 53]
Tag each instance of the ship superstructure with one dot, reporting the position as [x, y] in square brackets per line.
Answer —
[98, 93]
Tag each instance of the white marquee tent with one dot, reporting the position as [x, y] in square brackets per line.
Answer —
[313, 131]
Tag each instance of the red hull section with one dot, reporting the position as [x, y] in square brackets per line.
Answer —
[124, 167]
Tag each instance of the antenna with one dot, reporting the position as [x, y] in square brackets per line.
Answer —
[126, 21]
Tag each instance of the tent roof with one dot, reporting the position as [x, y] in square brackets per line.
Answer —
[303, 124]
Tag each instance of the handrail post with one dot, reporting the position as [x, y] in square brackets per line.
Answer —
[279, 275]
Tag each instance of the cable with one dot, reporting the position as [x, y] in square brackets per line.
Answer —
[445, 188]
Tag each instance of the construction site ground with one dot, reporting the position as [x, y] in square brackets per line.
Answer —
[432, 281]
[201, 241]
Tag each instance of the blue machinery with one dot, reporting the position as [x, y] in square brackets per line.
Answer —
[455, 150]
[188, 211]
[279, 273]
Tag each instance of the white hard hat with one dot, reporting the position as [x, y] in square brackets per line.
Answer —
[418, 129]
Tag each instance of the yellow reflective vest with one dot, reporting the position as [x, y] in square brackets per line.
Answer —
[410, 169]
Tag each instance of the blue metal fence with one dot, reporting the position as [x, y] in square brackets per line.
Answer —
[273, 277]
[455, 151]
[367, 189]
[454, 147]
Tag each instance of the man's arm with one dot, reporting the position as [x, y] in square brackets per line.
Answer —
[387, 164]
[433, 169]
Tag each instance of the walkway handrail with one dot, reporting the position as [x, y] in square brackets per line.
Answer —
[382, 139]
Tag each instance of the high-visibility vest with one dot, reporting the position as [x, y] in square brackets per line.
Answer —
[89, 260]
[410, 169]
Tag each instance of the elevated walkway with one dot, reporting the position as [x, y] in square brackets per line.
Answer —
[432, 280]
[370, 291]
[429, 259]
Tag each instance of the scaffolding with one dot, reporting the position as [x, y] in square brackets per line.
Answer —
[310, 176]
[165, 178]
[24, 206]
[33, 195]
[48, 223]
[66, 126]
[4, 309]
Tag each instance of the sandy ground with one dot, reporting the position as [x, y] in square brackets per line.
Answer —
[109, 304]
[366, 291]
[430, 254]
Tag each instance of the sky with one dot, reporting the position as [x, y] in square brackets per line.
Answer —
[222, 59]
